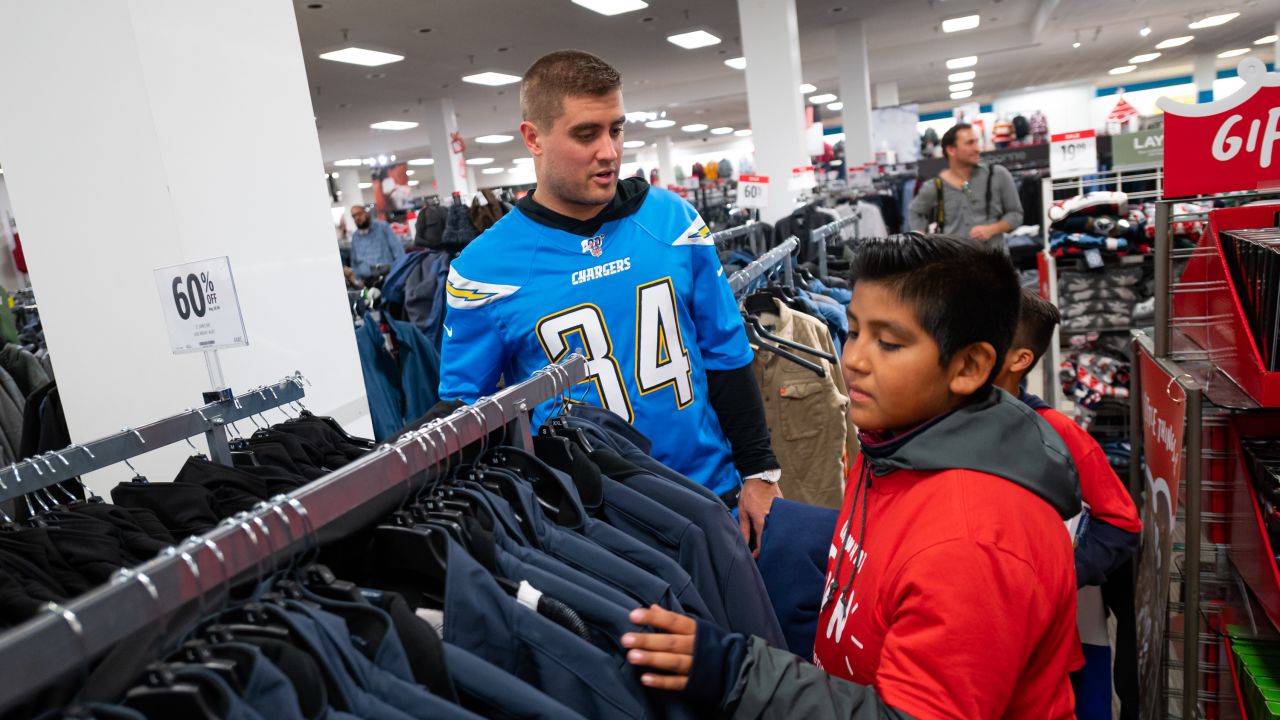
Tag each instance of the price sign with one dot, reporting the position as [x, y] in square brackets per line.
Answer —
[753, 191]
[1073, 153]
[802, 178]
[200, 305]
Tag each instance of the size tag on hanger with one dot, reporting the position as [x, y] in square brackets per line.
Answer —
[1093, 258]
[753, 191]
[1073, 153]
[200, 306]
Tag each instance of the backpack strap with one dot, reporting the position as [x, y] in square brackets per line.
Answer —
[991, 174]
[940, 210]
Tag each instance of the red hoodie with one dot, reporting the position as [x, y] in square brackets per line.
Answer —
[1101, 489]
[959, 609]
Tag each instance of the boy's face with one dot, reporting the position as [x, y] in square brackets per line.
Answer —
[891, 366]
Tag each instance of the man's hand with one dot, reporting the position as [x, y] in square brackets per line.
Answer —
[670, 651]
[753, 505]
[982, 232]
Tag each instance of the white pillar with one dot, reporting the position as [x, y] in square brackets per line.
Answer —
[450, 167]
[886, 94]
[1204, 73]
[666, 161]
[855, 92]
[166, 105]
[770, 42]
[349, 183]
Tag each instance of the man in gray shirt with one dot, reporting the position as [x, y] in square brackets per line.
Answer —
[978, 202]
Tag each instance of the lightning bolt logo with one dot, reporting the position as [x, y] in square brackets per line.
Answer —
[470, 295]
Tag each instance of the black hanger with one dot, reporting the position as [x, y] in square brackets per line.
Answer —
[548, 490]
[759, 342]
[362, 442]
[196, 652]
[320, 580]
[762, 332]
[163, 695]
[413, 555]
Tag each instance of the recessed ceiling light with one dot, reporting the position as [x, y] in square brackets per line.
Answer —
[738, 63]
[365, 186]
[694, 40]
[494, 139]
[1145, 30]
[1174, 42]
[968, 22]
[962, 76]
[422, 161]
[1213, 21]
[523, 161]
[742, 133]
[410, 172]
[823, 98]
[493, 171]
[1233, 53]
[696, 127]
[349, 162]
[633, 144]
[659, 124]
[612, 7]
[1076, 45]
[806, 88]
[835, 106]
[1122, 69]
[492, 79]
[480, 161]
[361, 56]
[1144, 57]
[413, 183]
[721, 130]
[958, 87]
[961, 95]
[333, 175]
[962, 62]
[1265, 40]
[394, 125]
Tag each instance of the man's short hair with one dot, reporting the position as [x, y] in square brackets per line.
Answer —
[556, 75]
[1037, 318]
[962, 293]
[949, 137]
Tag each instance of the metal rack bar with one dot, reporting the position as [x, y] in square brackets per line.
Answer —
[819, 236]
[779, 255]
[1191, 578]
[64, 640]
[724, 236]
[46, 470]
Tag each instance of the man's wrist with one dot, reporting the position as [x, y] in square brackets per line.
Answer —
[769, 476]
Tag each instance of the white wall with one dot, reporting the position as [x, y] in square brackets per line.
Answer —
[193, 108]
[1065, 107]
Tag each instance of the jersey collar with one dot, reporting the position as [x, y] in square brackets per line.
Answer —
[626, 201]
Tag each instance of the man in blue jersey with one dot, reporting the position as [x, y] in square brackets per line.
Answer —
[624, 274]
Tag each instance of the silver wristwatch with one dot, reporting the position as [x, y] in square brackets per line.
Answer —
[770, 476]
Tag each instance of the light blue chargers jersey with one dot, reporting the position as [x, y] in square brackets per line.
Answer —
[645, 300]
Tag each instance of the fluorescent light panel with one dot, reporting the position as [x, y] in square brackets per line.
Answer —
[1144, 57]
[1232, 53]
[1122, 69]
[1265, 40]
[480, 161]
[612, 7]
[961, 95]
[659, 124]
[414, 183]
[823, 98]
[968, 22]
[494, 139]
[394, 125]
[422, 161]
[1174, 42]
[349, 162]
[962, 76]
[738, 63]
[525, 160]
[721, 130]
[742, 133]
[1213, 21]
[835, 106]
[492, 79]
[695, 127]
[694, 39]
[493, 171]
[633, 144]
[962, 62]
[365, 186]
[806, 88]
[960, 87]
[361, 56]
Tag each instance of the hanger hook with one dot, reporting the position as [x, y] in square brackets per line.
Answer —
[266, 533]
[88, 452]
[309, 531]
[284, 519]
[193, 566]
[135, 433]
[239, 520]
[131, 467]
[222, 563]
[77, 628]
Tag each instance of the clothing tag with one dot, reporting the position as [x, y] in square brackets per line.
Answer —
[1093, 258]
[435, 618]
[528, 595]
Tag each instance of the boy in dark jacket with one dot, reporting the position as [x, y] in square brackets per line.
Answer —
[950, 590]
[1111, 530]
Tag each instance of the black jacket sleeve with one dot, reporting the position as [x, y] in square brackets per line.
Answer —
[1103, 548]
[735, 396]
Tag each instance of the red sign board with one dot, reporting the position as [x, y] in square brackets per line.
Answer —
[1078, 135]
[1227, 145]
[753, 178]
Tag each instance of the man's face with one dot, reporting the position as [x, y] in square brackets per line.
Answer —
[967, 150]
[890, 363]
[579, 155]
[360, 216]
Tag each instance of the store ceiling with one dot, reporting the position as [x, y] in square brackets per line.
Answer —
[1020, 44]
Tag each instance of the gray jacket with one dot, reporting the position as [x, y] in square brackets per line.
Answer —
[965, 209]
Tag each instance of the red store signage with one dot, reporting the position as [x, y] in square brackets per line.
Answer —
[1227, 145]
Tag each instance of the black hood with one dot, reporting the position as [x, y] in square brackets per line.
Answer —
[628, 199]
[998, 435]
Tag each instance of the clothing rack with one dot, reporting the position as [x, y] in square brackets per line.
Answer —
[780, 255]
[820, 235]
[723, 237]
[43, 471]
[64, 640]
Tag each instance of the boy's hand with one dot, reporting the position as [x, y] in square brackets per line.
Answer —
[754, 502]
[670, 651]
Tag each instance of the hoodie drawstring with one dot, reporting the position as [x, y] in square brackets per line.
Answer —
[860, 496]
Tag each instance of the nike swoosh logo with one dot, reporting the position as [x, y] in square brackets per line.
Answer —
[719, 272]
[447, 330]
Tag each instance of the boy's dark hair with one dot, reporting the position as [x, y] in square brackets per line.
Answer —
[949, 137]
[1037, 318]
[564, 72]
[963, 293]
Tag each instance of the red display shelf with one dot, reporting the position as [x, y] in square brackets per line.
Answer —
[1227, 337]
[1250, 549]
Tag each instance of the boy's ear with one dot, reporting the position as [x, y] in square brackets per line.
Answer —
[1019, 360]
[971, 367]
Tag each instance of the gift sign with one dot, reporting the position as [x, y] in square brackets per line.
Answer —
[1228, 145]
[753, 191]
[1073, 153]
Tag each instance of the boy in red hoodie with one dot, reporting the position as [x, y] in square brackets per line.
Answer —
[950, 590]
[1111, 532]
